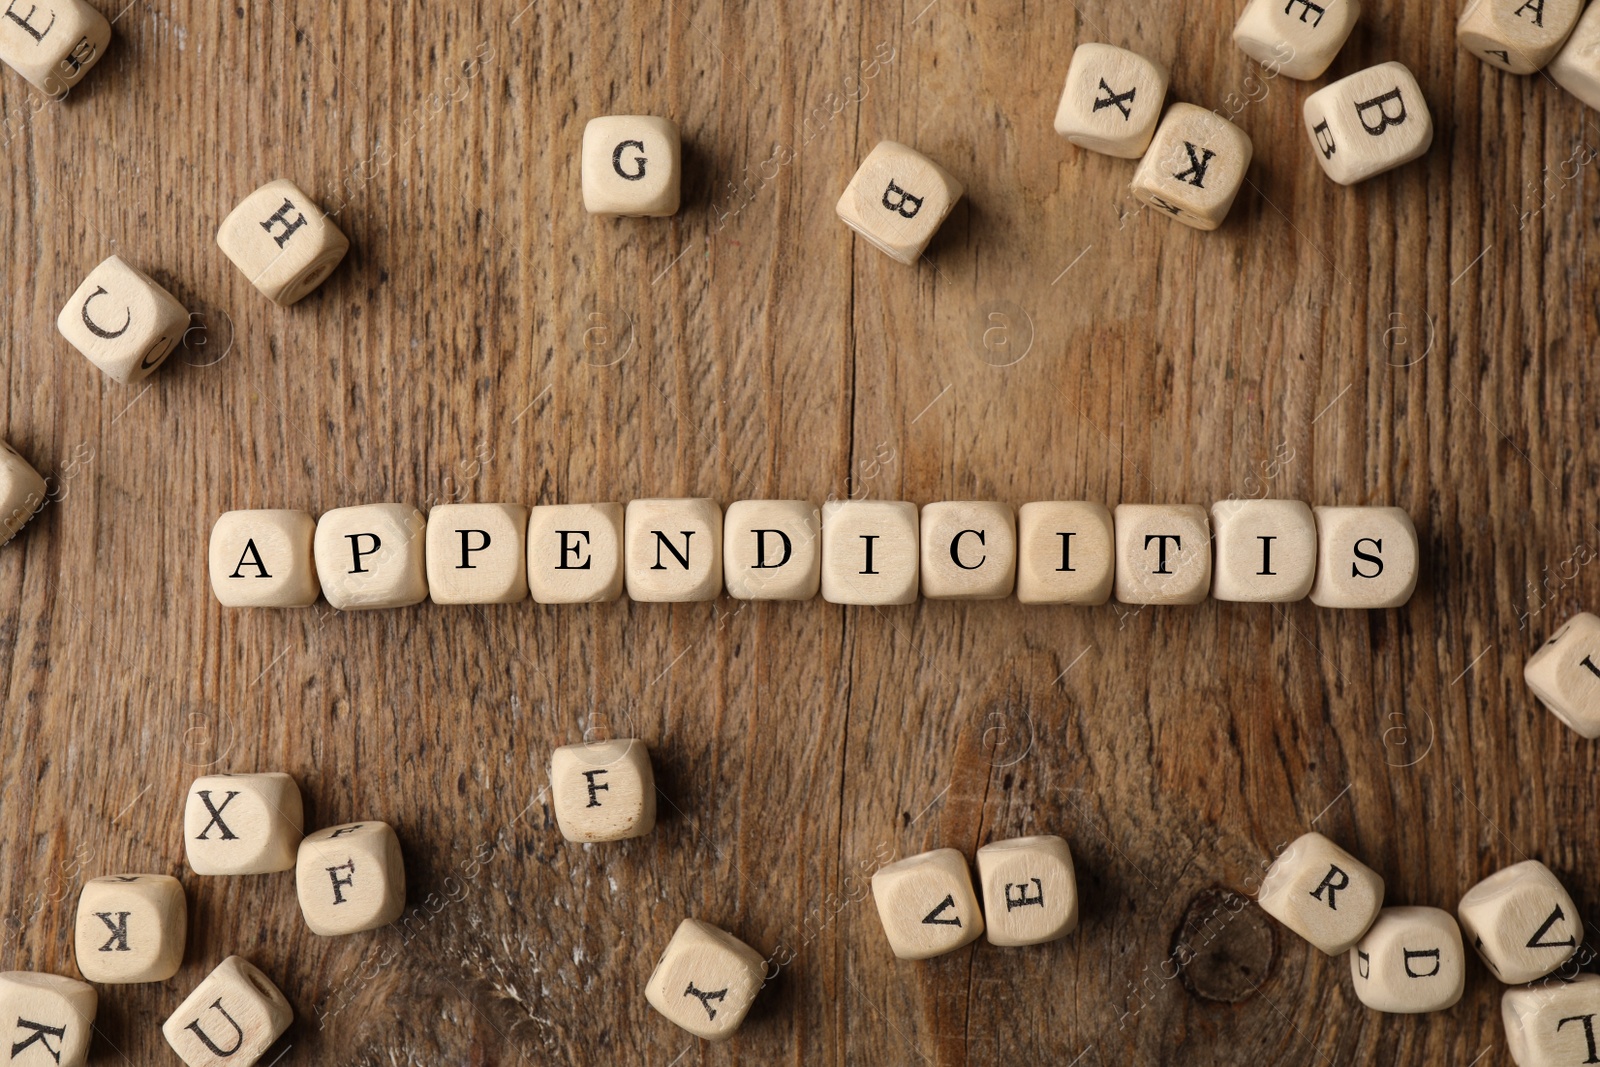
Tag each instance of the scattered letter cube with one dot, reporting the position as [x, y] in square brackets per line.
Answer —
[52, 43]
[869, 552]
[1322, 893]
[897, 200]
[131, 928]
[1366, 558]
[123, 321]
[632, 165]
[772, 550]
[1519, 36]
[45, 1019]
[1576, 68]
[1522, 922]
[674, 550]
[263, 559]
[1030, 893]
[282, 241]
[1163, 553]
[1194, 168]
[371, 556]
[927, 905]
[22, 492]
[230, 1019]
[1373, 121]
[1410, 960]
[1066, 553]
[706, 980]
[350, 878]
[969, 550]
[1112, 100]
[243, 823]
[575, 553]
[1266, 550]
[1565, 674]
[1553, 1024]
[475, 554]
[1300, 38]
[603, 791]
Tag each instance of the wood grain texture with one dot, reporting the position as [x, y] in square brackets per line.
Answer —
[753, 349]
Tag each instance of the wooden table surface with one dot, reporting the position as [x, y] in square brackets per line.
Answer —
[1423, 340]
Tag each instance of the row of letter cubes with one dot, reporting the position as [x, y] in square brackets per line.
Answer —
[854, 552]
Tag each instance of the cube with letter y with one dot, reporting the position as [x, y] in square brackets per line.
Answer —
[706, 980]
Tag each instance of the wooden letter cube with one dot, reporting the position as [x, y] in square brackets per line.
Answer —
[1522, 922]
[1366, 558]
[52, 43]
[1373, 121]
[264, 559]
[22, 492]
[897, 200]
[603, 791]
[45, 1019]
[231, 1018]
[772, 550]
[706, 980]
[131, 928]
[1163, 553]
[350, 878]
[1112, 100]
[123, 321]
[869, 552]
[1519, 36]
[475, 554]
[1576, 68]
[1030, 892]
[1553, 1024]
[1066, 553]
[927, 905]
[1300, 38]
[674, 550]
[632, 166]
[371, 556]
[1565, 674]
[969, 550]
[1194, 167]
[1410, 960]
[282, 241]
[1322, 893]
[575, 553]
[243, 823]
[1266, 550]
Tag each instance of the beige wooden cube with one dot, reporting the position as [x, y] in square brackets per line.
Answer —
[122, 320]
[1373, 121]
[632, 166]
[282, 241]
[1112, 100]
[1030, 891]
[1565, 674]
[969, 550]
[475, 553]
[603, 791]
[54, 1019]
[1322, 893]
[231, 1018]
[243, 823]
[264, 559]
[927, 905]
[1576, 68]
[1553, 1024]
[1194, 168]
[897, 200]
[673, 550]
[1519, 36]
[1366, 558]
[131, 928]
[772, 550]
[52, 43]
[1298, 39]
[1265, 550]
[1410, 960]
[350, 878]
[1522, 922]
[869, 552]
[706, 980]
[1066, 553]
[1163, 553]
[575, 553]
[371, 556]
[22, 492]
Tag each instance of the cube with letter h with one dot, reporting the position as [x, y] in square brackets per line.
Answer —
[350, 878]
[243, 823]
[632, 166]
[283, 242]
[603, 791]
[1372, 121]
[230, 1020]
[897, 200]
[52, 43]
[45, 1019]
[1322, 893]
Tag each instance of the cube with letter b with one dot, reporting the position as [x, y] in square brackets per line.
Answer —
[350, 878]
[632, 166]
[475, 554]
[1322, 893]
[1372, 121]
[575, 553]
[52, 43]
[123, 321]
[45, 1019]
[263, 559]
[603, 791]
[282, 241]
[897, 200]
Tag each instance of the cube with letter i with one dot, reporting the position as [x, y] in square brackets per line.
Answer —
[1298, 39]
[1030, 891]
[1565, 674]
[1194, 167]
[1522, 921]
[927, 905]
[969, 550]
[1410, 960]
[1553, 1024]
[350, 878]
[1266, 550]
[1066, 552]
[131, 928]
[869, 552]
[1322, 893]
[243, 823]
[45, 1019]
[603, 791]
[1112, 100]
[897, 200]
[230, 1020]
[1519, 36]
[1366, 558]
[123, 321]
[282, 241]
[706, 980]
[475, 554]
[772, 550]
[632, 166]
[1373, 121]
[575, 553]
[1163, 553]
[371, 556]
[673, 550]
[52, 43]
[264, 559]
